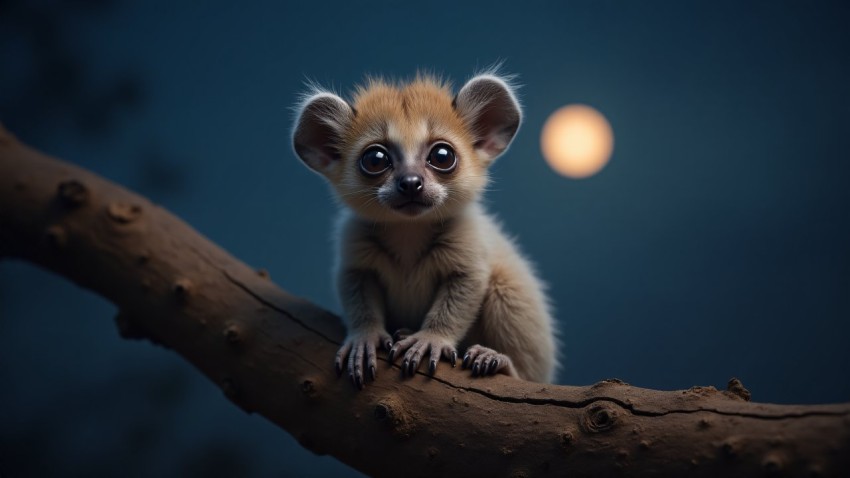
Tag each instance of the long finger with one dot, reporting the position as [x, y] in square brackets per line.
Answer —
[415, 355]
[398, 348]
[435, 358]
[479, 366]
[371, 360]
[355, 365]
[450, 354]
[408, 359]
[340, 356]
[469, 356]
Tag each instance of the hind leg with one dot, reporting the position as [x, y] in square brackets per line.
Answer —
[513, 334]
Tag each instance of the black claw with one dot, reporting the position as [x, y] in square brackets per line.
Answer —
[353, 382]
[413, 364]
[454, 358]
[391, 356]
[465, 363]
[372, 372]
[432, 367]
[389, 344]
[475, 369]
[404, 366]
[493, 365]
[358, 382]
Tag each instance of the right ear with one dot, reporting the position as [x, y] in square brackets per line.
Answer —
[488, 104]
[322, 118]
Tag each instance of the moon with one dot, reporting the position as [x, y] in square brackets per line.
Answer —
[577, 141]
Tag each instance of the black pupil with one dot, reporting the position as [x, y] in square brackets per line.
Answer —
[442, 157]
[375, 160]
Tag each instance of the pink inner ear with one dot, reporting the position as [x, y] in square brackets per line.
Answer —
[318, 158]
[497, 139]
[490, 146]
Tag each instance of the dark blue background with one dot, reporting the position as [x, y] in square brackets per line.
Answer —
[715, 243]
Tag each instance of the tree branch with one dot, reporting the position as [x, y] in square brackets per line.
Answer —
[271, 353]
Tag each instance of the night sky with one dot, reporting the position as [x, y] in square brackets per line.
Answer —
[716, 243]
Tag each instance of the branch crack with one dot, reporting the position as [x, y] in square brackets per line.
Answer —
[274, 307]
[636, 411]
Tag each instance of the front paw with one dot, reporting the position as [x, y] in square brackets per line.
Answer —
[485, 361]
[417, 345]
[359, 351]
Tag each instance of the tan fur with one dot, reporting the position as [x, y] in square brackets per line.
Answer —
[448, 273]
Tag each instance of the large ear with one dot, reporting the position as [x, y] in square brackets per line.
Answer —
[488, 104]
[322, 118]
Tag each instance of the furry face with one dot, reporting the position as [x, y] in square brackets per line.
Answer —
[408, 151]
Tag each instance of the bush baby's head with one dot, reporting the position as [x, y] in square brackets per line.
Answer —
[411, 151]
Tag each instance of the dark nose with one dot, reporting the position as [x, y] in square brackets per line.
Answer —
[410, 185]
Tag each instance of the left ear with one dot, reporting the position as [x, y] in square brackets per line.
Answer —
[488, 104]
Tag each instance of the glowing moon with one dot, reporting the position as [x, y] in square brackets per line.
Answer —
[577, 141]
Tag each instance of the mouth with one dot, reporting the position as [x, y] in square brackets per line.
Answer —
[411, 208]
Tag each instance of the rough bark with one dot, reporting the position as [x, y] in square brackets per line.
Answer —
[271, 353]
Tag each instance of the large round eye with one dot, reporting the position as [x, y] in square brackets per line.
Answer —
[375, 161]
[442, 158]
